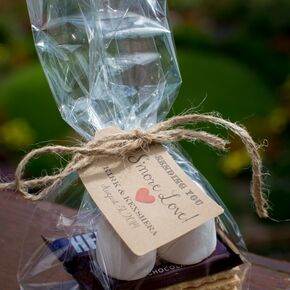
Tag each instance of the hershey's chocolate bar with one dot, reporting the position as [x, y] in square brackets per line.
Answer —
[76, 254]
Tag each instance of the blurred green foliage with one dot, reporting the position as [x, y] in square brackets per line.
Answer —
[234, 91]
[235, 59]
[29, 117]
[25, 94]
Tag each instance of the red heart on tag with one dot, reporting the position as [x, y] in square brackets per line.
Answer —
[142, 195]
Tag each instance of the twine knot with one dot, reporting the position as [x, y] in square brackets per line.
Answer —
[120, 144]
[143, 137]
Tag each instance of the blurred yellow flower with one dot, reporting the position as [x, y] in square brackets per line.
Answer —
[235, 161]
[16, 133]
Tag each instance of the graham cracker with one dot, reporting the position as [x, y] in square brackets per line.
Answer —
[226, 280]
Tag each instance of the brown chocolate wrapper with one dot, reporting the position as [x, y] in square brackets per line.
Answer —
[76, 254]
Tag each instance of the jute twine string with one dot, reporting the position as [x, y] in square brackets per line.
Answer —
[120, 144]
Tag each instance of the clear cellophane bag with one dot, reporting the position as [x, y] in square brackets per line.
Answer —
[111, 63]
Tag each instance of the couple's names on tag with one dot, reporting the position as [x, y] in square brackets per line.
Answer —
[126, 205]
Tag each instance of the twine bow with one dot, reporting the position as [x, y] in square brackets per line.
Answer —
[122, 143]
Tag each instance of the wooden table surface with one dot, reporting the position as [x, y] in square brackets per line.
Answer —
[14, 216]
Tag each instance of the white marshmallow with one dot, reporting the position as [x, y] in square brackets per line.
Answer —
[116, 259]
[191, 248]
